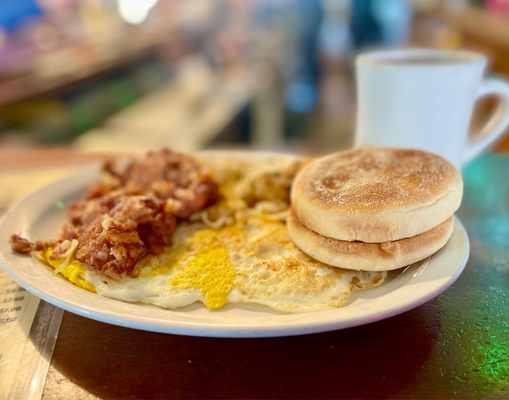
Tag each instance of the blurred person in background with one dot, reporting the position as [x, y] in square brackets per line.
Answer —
[380, 22]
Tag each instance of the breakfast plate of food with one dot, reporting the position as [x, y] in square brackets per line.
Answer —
[241, 244]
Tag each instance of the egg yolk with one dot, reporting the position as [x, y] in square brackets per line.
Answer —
[162, 263]
[212, 272]
[74, 271]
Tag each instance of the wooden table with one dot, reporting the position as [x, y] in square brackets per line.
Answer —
[453, 347]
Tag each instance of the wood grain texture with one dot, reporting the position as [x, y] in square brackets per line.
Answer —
[365, 362]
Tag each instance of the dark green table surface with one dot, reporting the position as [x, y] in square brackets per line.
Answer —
[453, 347]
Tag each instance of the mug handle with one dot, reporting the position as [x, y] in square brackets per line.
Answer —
[496, 124]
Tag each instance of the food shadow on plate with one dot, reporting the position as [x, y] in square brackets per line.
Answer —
[394, 280]
[417, 273]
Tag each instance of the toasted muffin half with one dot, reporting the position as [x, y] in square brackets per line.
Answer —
[376, 195]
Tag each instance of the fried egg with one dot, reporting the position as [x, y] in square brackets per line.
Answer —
[250, 263]
[235, 252]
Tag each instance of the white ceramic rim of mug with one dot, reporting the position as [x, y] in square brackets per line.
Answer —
[453, 57]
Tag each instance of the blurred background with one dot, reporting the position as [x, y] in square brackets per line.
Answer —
[130, 75]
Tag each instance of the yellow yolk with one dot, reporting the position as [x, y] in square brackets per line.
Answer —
[74, 271]
[212, 272]
[231, 235]
[162, 263]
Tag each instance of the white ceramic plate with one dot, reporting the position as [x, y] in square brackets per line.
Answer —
[39, 217]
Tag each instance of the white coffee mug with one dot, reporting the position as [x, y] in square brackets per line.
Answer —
[423, 98]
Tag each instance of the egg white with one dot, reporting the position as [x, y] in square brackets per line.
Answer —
[269, 270]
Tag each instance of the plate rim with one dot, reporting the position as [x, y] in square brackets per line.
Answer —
[225, 330]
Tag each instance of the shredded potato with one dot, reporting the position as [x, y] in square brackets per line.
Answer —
[248, 192]
[73, 245]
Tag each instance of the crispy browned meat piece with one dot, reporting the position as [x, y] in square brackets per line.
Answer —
[116, 230]
[23, 246]
[134, 211]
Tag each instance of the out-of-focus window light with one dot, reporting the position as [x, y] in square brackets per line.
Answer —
[301, 96]
[135, 11]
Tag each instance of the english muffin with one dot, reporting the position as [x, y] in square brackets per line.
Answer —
[376, 195]
[363, 256]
